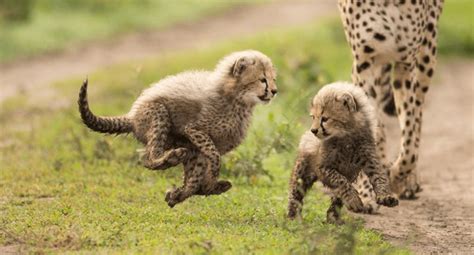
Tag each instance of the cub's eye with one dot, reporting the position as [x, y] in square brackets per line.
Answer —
[263, 80]
[324, 119]
[312, 116]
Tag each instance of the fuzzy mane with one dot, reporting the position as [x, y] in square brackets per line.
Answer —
[364, 106]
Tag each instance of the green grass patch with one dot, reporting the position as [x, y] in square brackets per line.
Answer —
[57, 24]
[64, 188]
[456, 30]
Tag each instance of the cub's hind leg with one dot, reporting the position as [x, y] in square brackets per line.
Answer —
[210, 185]
[194, 168]
[156, 158]
[194, 182]
[302, 178]
[333, 214]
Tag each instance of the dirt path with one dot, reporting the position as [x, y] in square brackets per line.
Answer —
[32, 75]
[440, 220]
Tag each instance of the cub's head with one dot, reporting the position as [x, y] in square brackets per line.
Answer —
[339, 109]
[248, 75]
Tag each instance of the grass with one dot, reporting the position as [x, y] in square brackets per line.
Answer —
[57, 24]
[456, 29]
[64, 188]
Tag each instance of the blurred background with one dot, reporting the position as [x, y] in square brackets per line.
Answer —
[65, 189]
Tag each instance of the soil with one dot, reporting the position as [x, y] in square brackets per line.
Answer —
[439, 220]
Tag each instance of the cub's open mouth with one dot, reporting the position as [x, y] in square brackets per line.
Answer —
[263, 98]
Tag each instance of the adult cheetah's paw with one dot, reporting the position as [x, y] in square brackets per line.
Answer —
[387, 200]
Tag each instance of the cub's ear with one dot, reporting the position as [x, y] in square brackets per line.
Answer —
[240, 65]
[348, 100]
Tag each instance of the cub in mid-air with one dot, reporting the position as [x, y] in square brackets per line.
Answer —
[339, 147]
[193, 118]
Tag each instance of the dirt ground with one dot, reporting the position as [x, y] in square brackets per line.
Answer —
[440, 220]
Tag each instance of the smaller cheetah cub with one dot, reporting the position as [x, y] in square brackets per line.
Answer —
[339, 147]
[193, 118]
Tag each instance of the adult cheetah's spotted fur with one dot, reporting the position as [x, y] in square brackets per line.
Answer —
[394, 47]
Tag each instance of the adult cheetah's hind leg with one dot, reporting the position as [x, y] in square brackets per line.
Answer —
[409, 112]
[404, 175]
[155, 157]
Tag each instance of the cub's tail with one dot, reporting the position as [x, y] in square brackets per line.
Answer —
[110, 125]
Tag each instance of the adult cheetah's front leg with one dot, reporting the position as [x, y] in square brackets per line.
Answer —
[204, 143]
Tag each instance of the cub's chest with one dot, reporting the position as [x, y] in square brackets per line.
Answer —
[346, 159]
[228, 133]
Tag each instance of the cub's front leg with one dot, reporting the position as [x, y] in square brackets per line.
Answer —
[302, 178]
[342, 189]
[204, 143]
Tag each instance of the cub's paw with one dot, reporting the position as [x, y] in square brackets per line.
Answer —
[332, 219]
[353, 203]
[387, 200]
[221, 187]
[169, 159]
[173, 197]
[218, 188]
[294, 212]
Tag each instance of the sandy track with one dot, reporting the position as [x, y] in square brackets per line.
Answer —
[33, 74]
[440, 220]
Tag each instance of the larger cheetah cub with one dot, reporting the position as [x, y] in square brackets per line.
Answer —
[340, 144]
[194, 118]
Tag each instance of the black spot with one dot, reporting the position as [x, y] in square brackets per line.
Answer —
[363, 66]
[413, 158]
[402, 49]
[421, 67]
[424, 89]
[372, 92]
[379, 37]
[426, 59]
[407, 84]
[397, 84]
[430, 27]
[430, 72]
[368, 49]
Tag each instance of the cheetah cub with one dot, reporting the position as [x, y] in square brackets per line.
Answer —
[339, 147]
[194, 118]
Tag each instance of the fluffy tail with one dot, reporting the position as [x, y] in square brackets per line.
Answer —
[110, 125]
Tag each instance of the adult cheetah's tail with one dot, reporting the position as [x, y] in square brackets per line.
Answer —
[110, 125]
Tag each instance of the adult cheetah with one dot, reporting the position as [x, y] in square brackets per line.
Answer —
[394, 51]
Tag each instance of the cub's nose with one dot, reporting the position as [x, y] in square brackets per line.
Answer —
[314, 131]
[274, 91]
